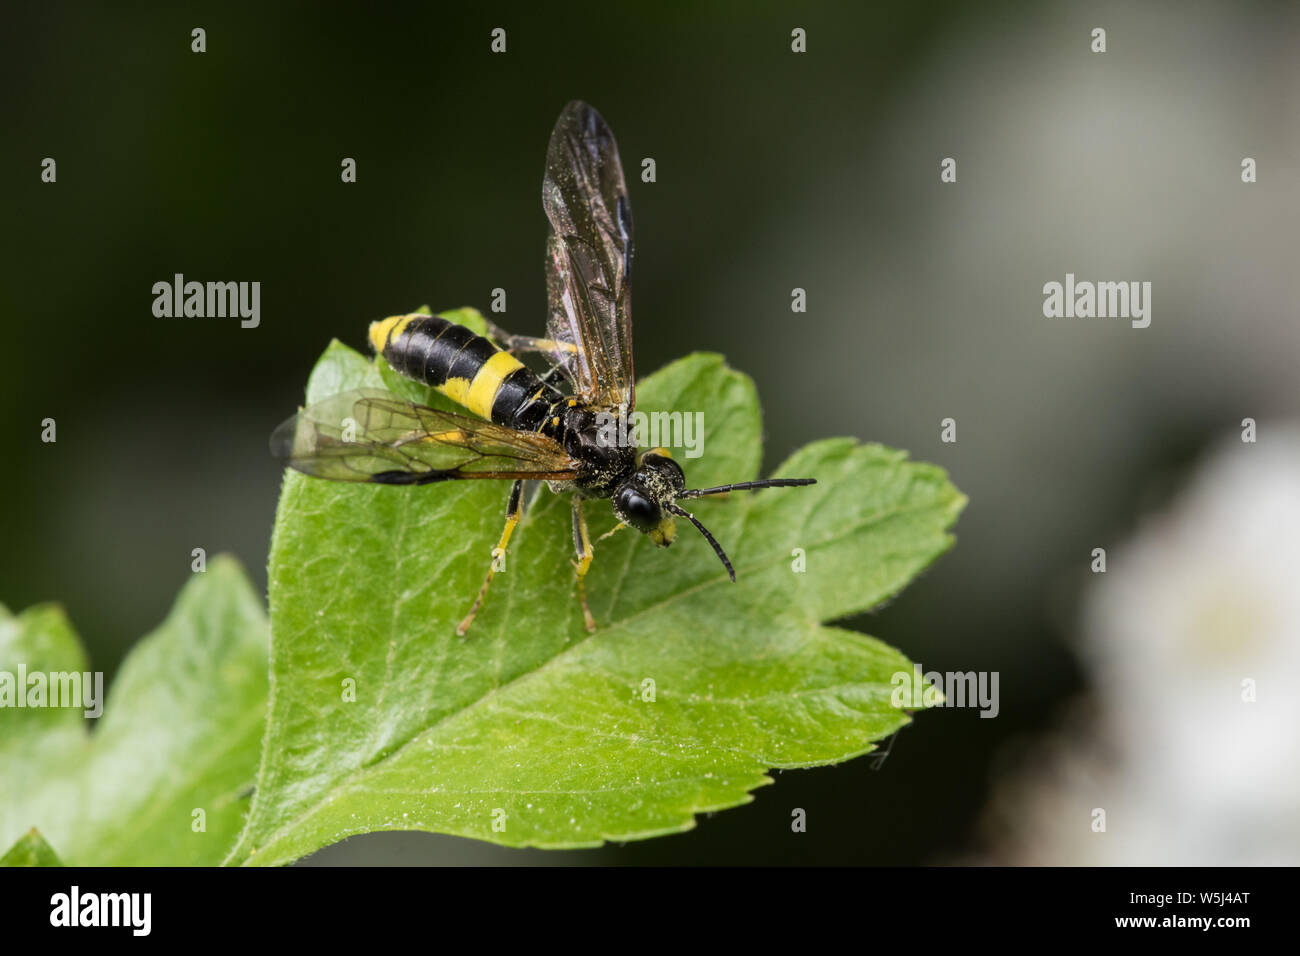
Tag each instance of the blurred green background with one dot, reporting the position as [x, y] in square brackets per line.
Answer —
[775, 171]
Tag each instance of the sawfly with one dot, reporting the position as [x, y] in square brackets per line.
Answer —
[522, 426]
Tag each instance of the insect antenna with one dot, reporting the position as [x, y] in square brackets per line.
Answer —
[722, 555]
[747, 485]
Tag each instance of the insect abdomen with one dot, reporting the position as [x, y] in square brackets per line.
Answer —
[465, 367]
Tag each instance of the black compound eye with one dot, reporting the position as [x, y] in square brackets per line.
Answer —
[637, 510]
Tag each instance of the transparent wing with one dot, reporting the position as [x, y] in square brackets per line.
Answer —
[371, 435]
[589, 258]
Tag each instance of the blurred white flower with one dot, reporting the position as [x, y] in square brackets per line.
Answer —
[1198, 609]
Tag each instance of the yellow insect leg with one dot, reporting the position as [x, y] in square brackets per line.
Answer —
[585, 553]
[512, 519]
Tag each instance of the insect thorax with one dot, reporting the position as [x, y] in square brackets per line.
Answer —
[604, 463]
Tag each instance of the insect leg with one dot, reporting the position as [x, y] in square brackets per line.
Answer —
[553, 371]
[525, 343]
[512, 518]
[582, 547]
[612, 531]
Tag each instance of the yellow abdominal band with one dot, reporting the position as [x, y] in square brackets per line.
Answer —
[385, 330]
[479, 394]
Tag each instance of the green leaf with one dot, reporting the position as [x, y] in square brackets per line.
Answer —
[31, 850]
[530, 732]
[180, 731]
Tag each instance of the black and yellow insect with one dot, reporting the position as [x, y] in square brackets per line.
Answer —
[526, 428]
